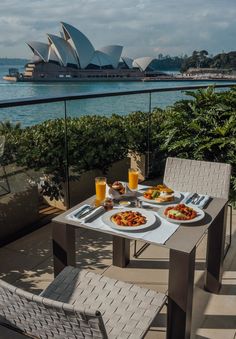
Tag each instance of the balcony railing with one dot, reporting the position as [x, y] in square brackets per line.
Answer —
[55, 146]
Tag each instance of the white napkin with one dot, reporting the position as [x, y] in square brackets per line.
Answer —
[86, 218]
[113, 193]
[203, 201]
[116, 195]
[187, 195]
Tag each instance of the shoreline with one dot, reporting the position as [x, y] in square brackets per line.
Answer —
[141, 79]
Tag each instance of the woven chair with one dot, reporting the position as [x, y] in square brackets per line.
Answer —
[203, 177]
[81, 304]
[4, 184]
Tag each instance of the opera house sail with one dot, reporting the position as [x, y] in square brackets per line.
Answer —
[70, 56]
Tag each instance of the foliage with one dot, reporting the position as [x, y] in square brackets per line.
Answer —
[203, 128]
[93, 142]
[202, 59]
[143, 133]
[13, 134]
[169, 63]
[197, 59]
[224, 60]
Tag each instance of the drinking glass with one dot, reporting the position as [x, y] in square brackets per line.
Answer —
[133, 178]
[100, 187]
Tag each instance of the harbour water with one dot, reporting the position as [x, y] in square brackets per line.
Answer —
[30, 115]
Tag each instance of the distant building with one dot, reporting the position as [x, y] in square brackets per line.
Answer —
[71, 55]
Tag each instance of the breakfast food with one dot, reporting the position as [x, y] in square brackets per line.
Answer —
[164, 188]
[159, 193]
[119, 187]
[129, 218]
[164, 198]
[180, 212]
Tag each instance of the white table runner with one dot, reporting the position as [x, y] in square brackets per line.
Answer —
[159, 233]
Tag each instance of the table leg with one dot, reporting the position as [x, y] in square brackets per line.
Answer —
[215, 252]
[121, 251]
[180, 294]
[63, 243]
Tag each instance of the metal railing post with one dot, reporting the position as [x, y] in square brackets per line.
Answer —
[67, 175]
[149, 166]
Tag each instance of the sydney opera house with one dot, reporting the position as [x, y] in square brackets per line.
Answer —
[71, 56]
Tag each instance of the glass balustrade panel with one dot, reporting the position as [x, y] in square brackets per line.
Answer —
[32, 165]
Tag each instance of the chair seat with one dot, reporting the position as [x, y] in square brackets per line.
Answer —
[127, 309]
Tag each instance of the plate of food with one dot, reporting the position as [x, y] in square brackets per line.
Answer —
[118, 190]
[129, 219]
[160, 195]
[181, 213]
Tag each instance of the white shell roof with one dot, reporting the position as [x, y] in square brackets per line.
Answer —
[142, 63]
[63, 50]
[128, 61]
[52, 55]
[73, 47]
[114, 53]
[39, 48]
[36, 58]
[83, 47]
[101, 59]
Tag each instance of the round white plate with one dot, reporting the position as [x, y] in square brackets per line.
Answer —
[200, 216]
[177, 198]
[151, 219]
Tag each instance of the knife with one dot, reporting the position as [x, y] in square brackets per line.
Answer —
[82, 211]
[87, 212]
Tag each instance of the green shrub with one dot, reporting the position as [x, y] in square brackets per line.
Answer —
[93, 142]
[143, 130]
[203, 128]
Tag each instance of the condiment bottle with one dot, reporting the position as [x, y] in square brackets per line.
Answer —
[108, 204]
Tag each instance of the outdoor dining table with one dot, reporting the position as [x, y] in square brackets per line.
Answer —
[182, 248]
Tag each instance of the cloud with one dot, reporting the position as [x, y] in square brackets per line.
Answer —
[143, 27]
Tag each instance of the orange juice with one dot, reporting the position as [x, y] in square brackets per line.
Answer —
[133, 179]
[100, 186]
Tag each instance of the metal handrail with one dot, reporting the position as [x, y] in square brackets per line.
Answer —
[43, 100]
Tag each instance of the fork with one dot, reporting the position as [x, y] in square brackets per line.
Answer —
[200, 199]
[195, 200]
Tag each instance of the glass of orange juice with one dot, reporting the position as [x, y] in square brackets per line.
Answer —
[100, 187]
[133, 178]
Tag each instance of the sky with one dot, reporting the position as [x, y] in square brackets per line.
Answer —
[143, 27]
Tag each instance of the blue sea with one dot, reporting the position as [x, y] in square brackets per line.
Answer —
[30, 115]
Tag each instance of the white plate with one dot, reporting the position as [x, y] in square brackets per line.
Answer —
[177, 198]
[151, 219]
[200, 216]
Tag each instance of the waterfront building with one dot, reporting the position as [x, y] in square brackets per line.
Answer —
[72, 56]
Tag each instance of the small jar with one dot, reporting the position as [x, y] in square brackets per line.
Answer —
[108, 204]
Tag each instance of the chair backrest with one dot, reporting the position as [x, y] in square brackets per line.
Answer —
[45, 318]
[2, 144]
[203, 177]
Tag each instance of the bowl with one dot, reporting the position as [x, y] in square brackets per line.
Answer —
[124, 203]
